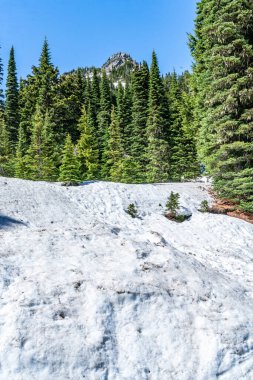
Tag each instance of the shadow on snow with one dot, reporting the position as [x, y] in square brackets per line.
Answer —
[6, 221]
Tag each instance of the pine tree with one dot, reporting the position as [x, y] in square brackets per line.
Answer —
[120, 108]
[1, 83]
[87, 93]
[11, 102]
[95, 97]
[41, 159]
[6, 159]
[139, 141]
[69, 169]
[34, 157]
[183, 156]
[157, 128]
[40, 89]
[49, 151]
[47, 77]
[87, 147]
[127, 127]
[104, 119]
[114, 152]
[223, 50]
[20, 161]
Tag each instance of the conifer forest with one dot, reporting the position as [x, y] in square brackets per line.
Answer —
[133, 125]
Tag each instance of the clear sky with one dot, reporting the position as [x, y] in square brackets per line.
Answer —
[87, 32]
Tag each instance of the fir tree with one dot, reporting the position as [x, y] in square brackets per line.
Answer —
[114, 152]
[49, 151]
[47, 76]
[87, 147]
[11, 102]
[69, 169]
[139, 141]
[157, 128]
[6, 158]
[104, 119]
[34, 157]
[183, 156]
[120, 108]
[20, 162]
[40, 88]
[87, 93]
[127, 122]
[223, 51]
[95, 97]
[1, 83]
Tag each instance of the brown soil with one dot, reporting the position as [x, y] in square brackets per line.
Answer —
[223, 206]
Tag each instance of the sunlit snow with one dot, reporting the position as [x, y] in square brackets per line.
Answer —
[87, 292]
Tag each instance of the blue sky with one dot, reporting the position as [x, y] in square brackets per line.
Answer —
[87, 32]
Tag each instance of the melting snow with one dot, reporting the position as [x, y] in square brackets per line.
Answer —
[87, 292]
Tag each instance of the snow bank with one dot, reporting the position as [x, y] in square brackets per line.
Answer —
[87, 292]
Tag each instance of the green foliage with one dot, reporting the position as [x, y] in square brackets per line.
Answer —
[1, 83]
[11, 102]
[223, 52]
[204, 206]
[41, 158]
[69, 169]
[172, 205]
[132, 211]
[182, 135]
[157, 128]
[139, 137]
[87, 147]
[114, 151]
[20, 162]
[104, 120]
[6, 157]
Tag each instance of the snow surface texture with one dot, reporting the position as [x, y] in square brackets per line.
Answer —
[87, 292]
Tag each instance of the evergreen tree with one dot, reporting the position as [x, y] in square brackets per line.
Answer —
[47, 76]
[34, 157]
[20, 162]
[139, 141]
[67, 106]
[69, 169]
[49, 152]
[157, 127]
[87, 93]
[223, 50]
[183, 156]
[114, 152]
[11, 102]
[104, 119]
[6, 158]
[1, 83]
[95, 97]
[127, 122]
[40, 88]
[87, 147]
[120, 109]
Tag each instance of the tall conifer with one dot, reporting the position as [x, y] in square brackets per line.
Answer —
[1, 83]
[114, 152]
[87, 147]
[139, 141]
[11, 101]
[223, 50]
[157, 127]
[69, 169]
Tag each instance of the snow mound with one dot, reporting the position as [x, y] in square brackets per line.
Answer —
[87, 292]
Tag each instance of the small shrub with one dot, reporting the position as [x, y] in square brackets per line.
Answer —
[132, 211]
[172, 205]
[172, 208]
[204, 206]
